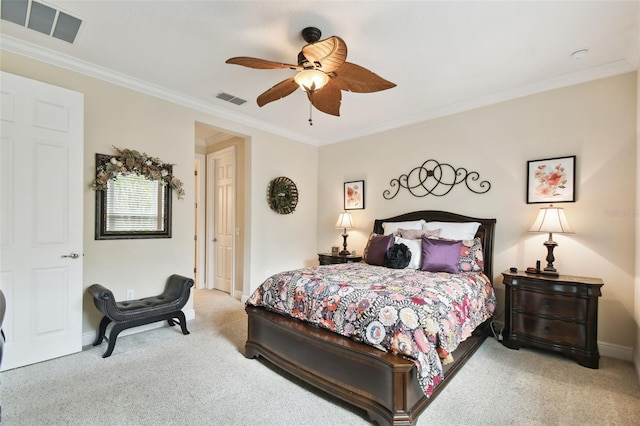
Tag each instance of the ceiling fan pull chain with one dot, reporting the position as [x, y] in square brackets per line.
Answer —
[310, 112]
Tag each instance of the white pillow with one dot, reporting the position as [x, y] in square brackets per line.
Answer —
[392, 227]
[454, 230]
[415, 246]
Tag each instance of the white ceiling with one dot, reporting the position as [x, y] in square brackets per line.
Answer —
[444, 57]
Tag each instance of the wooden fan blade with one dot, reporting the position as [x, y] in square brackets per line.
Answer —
[279, 91]
[355, 78]
[261, 64]
[329, 53]
[327, 99]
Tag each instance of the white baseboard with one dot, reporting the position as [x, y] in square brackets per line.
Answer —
[612, 350]
[636, 354]
[90, 336]
[189, 314]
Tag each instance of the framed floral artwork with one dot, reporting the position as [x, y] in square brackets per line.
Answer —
[354, 195]
[551, 180]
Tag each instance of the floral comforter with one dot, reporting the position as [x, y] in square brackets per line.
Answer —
[423, 316]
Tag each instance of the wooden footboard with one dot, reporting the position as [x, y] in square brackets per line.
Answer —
[384, 385]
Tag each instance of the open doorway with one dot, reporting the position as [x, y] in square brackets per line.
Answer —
[219, 210]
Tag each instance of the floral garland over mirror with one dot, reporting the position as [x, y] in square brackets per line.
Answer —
[130, 161]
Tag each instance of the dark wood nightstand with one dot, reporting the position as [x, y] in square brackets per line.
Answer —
[556, 313]
[330, 259]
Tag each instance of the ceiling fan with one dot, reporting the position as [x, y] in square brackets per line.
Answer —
[322, 73]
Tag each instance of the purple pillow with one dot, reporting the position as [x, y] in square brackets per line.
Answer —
[440, 255]
[376, 248]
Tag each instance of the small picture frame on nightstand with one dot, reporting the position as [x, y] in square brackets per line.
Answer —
[335, 250]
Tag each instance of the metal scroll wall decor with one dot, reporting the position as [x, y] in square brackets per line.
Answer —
[435, 178]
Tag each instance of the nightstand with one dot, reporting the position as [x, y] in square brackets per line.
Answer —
[555, 313]
[330, 259]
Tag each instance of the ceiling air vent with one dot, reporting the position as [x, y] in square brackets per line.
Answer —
[42, 18]
[230, 98]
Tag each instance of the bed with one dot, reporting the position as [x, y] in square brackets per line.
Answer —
[393, 388]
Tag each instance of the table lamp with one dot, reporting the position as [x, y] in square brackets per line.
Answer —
[345, 222]
[551, 219]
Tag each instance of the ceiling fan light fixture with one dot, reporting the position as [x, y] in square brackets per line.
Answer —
[311, 80]
[323, 72]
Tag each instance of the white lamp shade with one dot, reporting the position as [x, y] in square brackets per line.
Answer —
[344, 221]
[551, 219]
[311, 80]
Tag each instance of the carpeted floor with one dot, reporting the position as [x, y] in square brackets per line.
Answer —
[161, 377]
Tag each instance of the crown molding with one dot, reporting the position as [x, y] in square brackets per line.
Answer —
[607, 70]
[39, 53]
[42, 54]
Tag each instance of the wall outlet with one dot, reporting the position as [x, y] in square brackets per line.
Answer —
[129, 294]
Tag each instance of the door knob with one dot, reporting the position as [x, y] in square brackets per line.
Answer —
[72, 255]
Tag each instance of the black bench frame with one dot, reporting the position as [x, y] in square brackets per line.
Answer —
[132, 313]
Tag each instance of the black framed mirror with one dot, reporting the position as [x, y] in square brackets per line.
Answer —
[132, 206]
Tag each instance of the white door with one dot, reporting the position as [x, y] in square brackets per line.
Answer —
[221, 166]
[41, 216]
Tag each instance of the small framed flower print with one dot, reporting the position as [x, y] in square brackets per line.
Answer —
[551, 180]
[354, 195]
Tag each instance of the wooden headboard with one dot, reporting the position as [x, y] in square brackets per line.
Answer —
[485, 231]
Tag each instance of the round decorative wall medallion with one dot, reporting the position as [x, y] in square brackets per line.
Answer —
[282, 195]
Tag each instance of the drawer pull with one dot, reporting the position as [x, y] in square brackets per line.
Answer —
[547, 329]
[546, 305]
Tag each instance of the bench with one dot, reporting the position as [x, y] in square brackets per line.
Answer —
[132, 313]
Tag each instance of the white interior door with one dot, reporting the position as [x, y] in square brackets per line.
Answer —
[222, 168]
[40, 219]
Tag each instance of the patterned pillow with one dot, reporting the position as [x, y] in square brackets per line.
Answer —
[416, 234]
[454, 230]
[439, 255]
[376, 248]
[471, 257]
[392, 227]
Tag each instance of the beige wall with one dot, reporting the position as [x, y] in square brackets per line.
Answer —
[595, 121]
[127, 119]
[282, 242]
[636, 357]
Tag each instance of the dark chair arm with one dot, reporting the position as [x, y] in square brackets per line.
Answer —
[178, 288]
[100, 292]
[104, 299]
